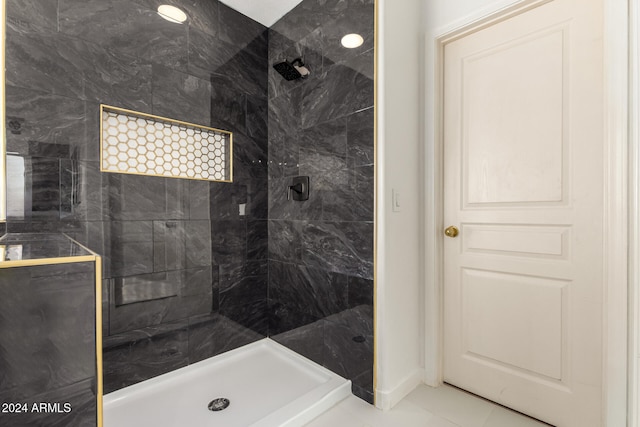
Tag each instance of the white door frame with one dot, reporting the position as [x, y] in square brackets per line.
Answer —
[621, 205]
[634, 209]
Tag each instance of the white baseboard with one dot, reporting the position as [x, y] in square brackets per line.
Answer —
[387, 399]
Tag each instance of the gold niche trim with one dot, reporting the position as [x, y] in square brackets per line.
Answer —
[138, 143]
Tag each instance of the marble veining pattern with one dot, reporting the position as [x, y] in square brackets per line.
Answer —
[248, 263]
[321, 250]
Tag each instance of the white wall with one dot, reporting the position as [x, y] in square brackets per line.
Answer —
[634, 398]
[406, 105]
[404, 122]
[398, 318]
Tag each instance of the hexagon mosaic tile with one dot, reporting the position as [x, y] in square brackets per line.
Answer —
[140, 144]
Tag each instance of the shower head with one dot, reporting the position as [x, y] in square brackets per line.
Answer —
[293, 70]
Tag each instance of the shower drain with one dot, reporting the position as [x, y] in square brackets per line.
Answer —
[218, 404]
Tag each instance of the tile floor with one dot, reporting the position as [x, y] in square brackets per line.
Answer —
[444, 406]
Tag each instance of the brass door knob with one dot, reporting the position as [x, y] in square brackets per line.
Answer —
[451, 231]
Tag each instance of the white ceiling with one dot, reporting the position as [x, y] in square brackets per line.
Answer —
[266, 12]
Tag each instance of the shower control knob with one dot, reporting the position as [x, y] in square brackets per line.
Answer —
[451, 231]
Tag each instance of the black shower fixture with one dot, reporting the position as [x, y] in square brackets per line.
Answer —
[293, 70]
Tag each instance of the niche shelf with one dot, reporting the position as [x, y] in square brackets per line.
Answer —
[143, 144]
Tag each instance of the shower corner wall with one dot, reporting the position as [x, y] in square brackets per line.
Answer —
[321, 250]
[184, 271]
[230, 263]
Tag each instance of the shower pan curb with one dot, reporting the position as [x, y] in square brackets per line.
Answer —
[266, 384]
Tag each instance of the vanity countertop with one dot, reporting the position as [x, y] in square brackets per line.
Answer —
[17, 249]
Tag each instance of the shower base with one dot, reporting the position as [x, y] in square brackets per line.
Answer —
[266, 385]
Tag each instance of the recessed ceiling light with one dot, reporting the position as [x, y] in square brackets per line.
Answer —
[352, 41]
[172, 13]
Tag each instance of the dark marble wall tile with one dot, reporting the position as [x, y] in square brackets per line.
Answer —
[157, 298]
[225, 198]
[275, 163]
[45, 61]
[199, 200]
[41, 14]
[307, 340]
[285, 114]
[257, 240]
[132, 27]
[257, 117]
[107, 297]
[198, 243]
[349, 354]
[114, 78]
[135, 197]
[362, 182]
[285, 241]
[248, 151]
[360, 138]
[308, 16]
[252, 315]
[229, 242]
[349, 196]
[228, 106]
[169, 245]
[340, 92]
[340, 247]
[258, 196]
[357, 18]
[181, 96]
[328, 138]
[246, 73]
[214, 334]
[358, 319]
[202, 15]
[284, 318]
[242, 284]
[326, 171]
[316, 292]
[42, 124]
[83, 192]
[360, 292]
[130, 247]
[181, 244]
[207, 53]
[243, 32]
[139, 355]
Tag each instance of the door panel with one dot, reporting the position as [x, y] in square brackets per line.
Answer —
[523, 165]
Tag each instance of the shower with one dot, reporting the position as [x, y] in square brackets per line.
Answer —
[293, 70]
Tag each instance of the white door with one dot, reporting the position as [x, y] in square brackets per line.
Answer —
[523, 138]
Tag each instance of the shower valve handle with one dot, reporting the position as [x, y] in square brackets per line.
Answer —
[298, 188]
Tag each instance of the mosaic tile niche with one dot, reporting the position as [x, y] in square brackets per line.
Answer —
[143, 144]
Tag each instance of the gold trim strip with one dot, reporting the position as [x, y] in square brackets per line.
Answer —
[164, 176]
[99, 385]
[80, 244]
[169, 120]
[165, 119]
[375, 197]
[47, 261]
